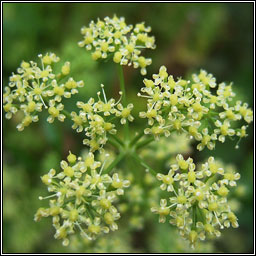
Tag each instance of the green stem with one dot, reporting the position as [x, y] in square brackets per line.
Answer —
[116, 139]
[210, 179]
[65, 112]
[60, 78]
[194, 217]
[202, 215]
[166, 112]
[122, 84]
[145, 142]
[114, 163]
[90, 214]
[137, 138]
[142, 163]
[114, 143]
[122, 87]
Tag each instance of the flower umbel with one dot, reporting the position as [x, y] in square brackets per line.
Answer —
[197, 198]
[97, 119]
[35, 86]
[190, 107]
[82, 198]
[124, 43]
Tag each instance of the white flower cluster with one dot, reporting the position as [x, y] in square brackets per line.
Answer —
[82, 198]
[96, 119]
[200, 108]
[197, 198]
[34, 87]
[113, 37]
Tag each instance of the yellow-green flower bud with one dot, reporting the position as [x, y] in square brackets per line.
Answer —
[180, 221]
[71, 158]
[167, 179]
[55, 210]
[229, 176]
[213, 206]
[117, 183]
[148, 83]
[89, 160]
[53, 111]
[193, 236]
[31, 106]
[199, 194]
[88, 39]
[181, 199]
[183, 164]
[69, 171]
[105, 203]
[62, 233]
[208, 228]
[80, 191]
[58, 90]
[71, 84]
[232, 217]
[125, 112]
[130, 48]
[7, 107]
[173, 99]
[117, 57]
[44, 73]
[197, 107]
[213, 167]
[65, 68]
[108, 126]
[224, 129]
[222, 191]
[152, 113]
[108, 218]
[191, 176]
[163, 211]
[37, 91]
[73, 215]
[117, 34]
[192, 130]
[47, 60]
[46, 179]
[94, 229]
[104, 46]
[96, 55]
[25, 64]
[27, 120]
[142, 62]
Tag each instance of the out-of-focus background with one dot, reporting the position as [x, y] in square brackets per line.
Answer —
[217, 37]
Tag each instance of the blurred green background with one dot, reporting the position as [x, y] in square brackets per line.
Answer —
[217, 37]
